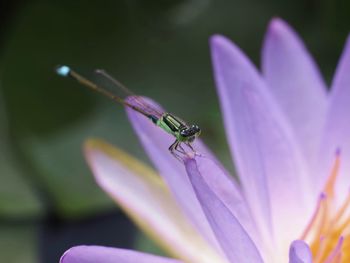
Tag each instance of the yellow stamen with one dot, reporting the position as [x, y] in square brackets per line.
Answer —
[328, 232]
[342, 210]
[314, 218]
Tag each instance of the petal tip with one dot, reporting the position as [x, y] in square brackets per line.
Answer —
[299, 251]
[93, 144]
[217, 41]
[188, 160]
[222, 47]
[64, 258]
[278, 26]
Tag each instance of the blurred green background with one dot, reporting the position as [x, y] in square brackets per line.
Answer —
[48, 199]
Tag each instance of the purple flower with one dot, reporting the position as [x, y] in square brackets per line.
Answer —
[284, 130]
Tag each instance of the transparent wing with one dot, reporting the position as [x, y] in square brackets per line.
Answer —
[142, 104]
[130, 98]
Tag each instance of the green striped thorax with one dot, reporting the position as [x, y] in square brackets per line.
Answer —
[178, 128]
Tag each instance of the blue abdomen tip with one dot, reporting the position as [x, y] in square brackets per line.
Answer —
[63, 70]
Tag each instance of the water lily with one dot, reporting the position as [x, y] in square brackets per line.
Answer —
[289, 138]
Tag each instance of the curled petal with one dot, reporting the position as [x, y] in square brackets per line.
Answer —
[232, 237]
[295, 80]
[99, 254]
[144, 197]
[225, 188]
[299, 252]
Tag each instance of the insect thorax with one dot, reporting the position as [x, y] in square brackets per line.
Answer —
[170, 124]
[178, 128]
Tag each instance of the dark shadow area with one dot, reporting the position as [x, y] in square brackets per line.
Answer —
[109, 229]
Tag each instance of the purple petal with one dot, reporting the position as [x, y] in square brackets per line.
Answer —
[99, 254]
[267, 158]
[232, 237]
[337, 130]
[225, 188]
[144, 197]
[156, 143]
[299, 252]
[296, 83]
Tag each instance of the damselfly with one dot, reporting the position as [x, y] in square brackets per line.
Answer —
[182, 132]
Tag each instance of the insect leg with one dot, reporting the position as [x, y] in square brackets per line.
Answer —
[190, 146]
[180, 149]
[173, 149]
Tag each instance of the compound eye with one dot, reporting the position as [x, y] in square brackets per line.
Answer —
[195, 128]
[183, 133]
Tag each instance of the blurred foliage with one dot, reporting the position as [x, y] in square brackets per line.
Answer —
[18, 198]
[158, 48]
[18, 243]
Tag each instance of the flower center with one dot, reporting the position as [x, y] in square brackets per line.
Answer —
[328, 232]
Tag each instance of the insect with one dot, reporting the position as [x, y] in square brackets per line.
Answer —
[182, 132]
